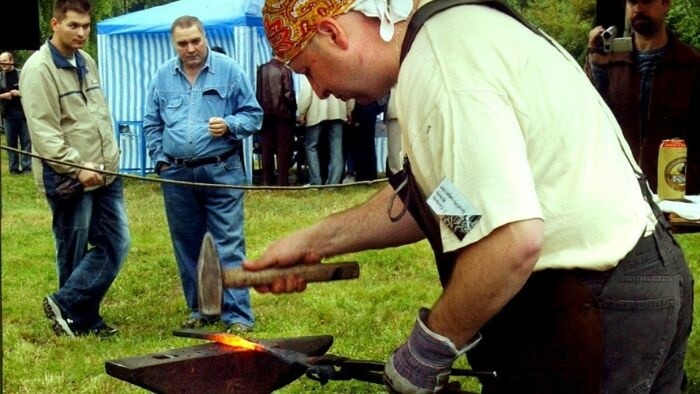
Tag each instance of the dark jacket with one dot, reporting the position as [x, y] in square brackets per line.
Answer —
[10, 109]
[674, 106]
[275, 90]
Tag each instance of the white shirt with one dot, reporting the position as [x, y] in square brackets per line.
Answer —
[517, 127]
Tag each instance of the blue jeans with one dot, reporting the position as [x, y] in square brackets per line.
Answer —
[17, 132]
[334, 129]
[96, 218]
[191, 212]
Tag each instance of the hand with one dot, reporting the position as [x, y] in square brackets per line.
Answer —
[291, 250]
[161, 166]
[422, 365]
[217, 127]
[594, 37]
[90, 178]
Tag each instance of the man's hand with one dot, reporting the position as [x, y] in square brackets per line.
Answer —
[291, 250]
[90, 178]
[422, 365]
[594, 37]
[595, 50]
[217, 127]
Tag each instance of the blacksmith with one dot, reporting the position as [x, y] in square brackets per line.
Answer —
[558, 270]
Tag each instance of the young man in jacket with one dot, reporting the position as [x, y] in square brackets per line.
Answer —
[69, 122]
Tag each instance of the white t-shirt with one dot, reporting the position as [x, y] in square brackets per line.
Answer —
[515, 125]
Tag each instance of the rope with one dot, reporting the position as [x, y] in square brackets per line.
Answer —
[193, 184]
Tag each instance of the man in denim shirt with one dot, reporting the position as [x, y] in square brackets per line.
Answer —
[200, 106]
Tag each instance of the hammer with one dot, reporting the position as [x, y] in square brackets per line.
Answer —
[211, 279]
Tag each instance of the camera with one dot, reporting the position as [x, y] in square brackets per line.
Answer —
[609, 42]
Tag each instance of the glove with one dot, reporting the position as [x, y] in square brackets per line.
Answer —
[422, 365]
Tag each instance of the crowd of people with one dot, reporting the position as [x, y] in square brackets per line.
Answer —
[530, 176]
[331, 140]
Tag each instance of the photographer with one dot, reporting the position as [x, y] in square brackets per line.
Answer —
[653, 89]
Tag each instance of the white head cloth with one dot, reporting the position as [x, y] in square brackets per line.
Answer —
[388, 12]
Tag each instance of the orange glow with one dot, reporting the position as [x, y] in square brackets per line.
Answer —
[236, 341]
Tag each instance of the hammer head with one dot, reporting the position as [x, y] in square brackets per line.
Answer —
[209, 281]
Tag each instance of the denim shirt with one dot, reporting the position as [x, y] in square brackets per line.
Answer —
[176, 119]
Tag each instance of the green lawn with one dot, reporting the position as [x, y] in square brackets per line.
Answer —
[368, 317]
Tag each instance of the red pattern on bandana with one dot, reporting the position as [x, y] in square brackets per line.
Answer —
[291, 24]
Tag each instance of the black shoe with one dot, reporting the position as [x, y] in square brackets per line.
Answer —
[61, 325]
[26, 170]
[238, 328]
[15, 172]
[102, 330]
[197, 322]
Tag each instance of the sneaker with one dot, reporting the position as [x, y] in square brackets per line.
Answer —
[197, 322]
[238, 328]
[61, 326]
[102, 330]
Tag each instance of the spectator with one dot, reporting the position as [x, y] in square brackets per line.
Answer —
[323, 117]
[360, 139]
[275, 93]
[14, 121]
[69, 121]
[654, 91]
[199, 107]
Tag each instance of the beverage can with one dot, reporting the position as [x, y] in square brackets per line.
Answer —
[671, 174]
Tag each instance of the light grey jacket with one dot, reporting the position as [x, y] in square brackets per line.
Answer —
[68, 120]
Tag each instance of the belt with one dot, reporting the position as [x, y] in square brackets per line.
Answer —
[192, 162]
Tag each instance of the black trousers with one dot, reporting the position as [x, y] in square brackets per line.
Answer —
[624, 330]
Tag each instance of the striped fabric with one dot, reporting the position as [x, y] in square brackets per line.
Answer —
[131, 47]
[128, 61]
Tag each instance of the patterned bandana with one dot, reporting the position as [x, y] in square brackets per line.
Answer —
[291, 24]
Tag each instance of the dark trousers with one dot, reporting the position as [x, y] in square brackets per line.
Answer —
[277, 137]
[17, 135]
[624, 330]
[361, 150]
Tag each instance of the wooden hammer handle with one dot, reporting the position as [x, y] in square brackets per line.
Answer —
[238, 277]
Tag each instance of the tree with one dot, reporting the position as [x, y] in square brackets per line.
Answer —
[684, 19]
[568, 22]
[101, 9]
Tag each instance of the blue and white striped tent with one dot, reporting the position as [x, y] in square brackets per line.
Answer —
[132, 46]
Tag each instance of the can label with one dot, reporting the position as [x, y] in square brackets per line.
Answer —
[671, 174]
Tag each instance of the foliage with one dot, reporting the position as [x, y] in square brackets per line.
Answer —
[684, 19]
[101, 9]
[568, 22]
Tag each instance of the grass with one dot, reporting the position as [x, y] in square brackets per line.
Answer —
[368, 317]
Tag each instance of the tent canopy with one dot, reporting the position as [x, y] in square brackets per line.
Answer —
[131, 47]
[214, 13]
